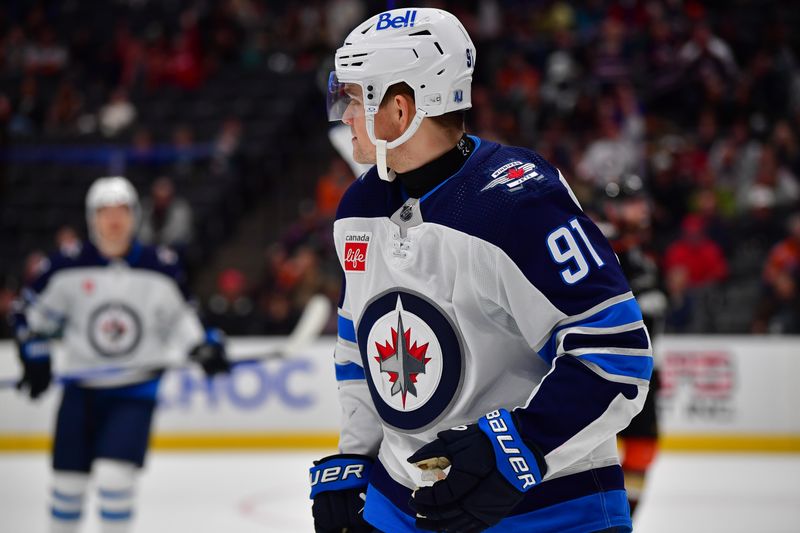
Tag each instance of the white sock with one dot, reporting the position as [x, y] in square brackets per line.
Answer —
[66, 501]
[115, 488]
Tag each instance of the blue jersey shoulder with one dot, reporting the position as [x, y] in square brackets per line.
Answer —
[83, 255]
[154, 258]
[517, 201]
[161, 259]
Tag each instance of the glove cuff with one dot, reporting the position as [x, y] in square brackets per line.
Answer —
[515, 460]
[35, 350]
[340, 472]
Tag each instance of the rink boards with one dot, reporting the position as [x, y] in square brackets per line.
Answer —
[736, 393]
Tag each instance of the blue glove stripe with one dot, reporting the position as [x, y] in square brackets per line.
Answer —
[215, 336]
[514, 460]
[339, 474]
[36, 350]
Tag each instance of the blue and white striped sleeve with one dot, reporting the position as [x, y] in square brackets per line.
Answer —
[361, 431]
[565, 289]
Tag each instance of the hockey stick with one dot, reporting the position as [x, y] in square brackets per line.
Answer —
[306, 331]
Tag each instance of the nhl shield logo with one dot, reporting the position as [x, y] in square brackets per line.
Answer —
[413, 357]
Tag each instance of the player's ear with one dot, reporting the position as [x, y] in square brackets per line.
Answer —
[404, 110]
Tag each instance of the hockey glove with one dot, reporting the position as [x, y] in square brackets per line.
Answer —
[338, 488]
[491, 468]
[37, 374]
[211, 354]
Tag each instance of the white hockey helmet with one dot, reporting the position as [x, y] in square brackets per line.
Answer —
[107, 191]
[427, 48]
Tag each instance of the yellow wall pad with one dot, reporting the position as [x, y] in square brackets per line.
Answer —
[196, 441]
[306, 441]
[732, 443]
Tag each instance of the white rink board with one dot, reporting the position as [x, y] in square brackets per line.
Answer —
[712, 385]
[287, 395]
[729, 384]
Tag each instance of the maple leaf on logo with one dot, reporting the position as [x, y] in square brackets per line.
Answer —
[515, 173]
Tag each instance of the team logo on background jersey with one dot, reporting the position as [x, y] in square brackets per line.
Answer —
[413, 357]
[114, 330]
[356, 245]
[512, 175]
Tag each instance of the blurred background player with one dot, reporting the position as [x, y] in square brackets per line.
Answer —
[484, 324]
[625, 219]
[121, 309]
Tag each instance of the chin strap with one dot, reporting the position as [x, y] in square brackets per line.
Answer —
[382, 146]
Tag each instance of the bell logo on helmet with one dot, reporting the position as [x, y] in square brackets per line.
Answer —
[385, 20]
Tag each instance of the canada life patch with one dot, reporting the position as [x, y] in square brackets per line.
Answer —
[356, 245]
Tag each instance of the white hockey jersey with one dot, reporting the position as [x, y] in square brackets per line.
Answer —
[128, 314]
[492, 290]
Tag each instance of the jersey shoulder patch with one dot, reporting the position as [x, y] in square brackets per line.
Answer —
[46, 267]
[514, 170]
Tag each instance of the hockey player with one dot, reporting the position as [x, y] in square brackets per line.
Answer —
[489, 346]
[116, 304]
[626, 211]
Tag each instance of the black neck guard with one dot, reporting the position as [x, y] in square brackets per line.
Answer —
[421, 180]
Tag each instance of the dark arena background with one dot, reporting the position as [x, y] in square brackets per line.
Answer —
[675, 122]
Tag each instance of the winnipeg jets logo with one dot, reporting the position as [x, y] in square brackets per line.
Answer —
[114, 330]
[512, 175]
[401, 360]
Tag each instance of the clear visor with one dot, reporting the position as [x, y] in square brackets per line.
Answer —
[345, 100]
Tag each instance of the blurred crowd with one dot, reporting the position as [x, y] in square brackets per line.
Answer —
[676, 122]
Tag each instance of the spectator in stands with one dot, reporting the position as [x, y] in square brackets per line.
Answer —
[46, 56]
[28, 109]
[143, 152]
[701, 258]
[734, 158]
[68, 241]
[65, 110]
[185, 64]
[230, 308]
[708, 66]
[12, 50]
[185, 163]
[34, 263]
[612, 59]
[779, 309]
[166, 219]
[278, 318]
[775, 179]
[226, 146]
[617, 150]
[118, 114]
[787, 149]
